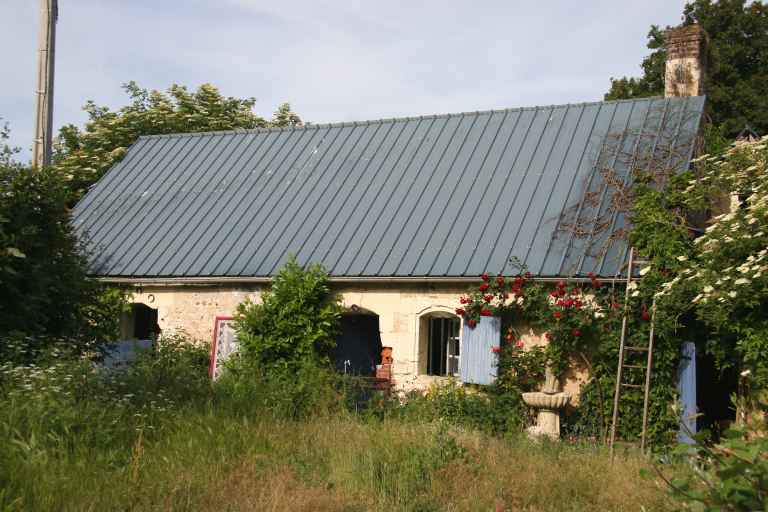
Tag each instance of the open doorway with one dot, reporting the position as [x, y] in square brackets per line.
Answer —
[714, 388]
[358, 344]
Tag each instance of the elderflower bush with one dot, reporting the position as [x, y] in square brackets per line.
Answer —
[725, 278]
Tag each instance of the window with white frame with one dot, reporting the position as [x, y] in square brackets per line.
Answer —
[442, 345]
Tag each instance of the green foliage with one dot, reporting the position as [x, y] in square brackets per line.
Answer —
[158, 435]
[571, 316]
[295, 324]
[305, 390]
[82, 156]
[729, 475]
[43, 269]
[175, 366]
[737, 81]
[722, 277]
[492, 410]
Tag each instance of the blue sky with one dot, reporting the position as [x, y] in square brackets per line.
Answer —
[338, 60]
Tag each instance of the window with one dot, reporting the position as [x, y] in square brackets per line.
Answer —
[442, 346]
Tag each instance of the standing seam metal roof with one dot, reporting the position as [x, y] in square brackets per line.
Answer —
[447, 195]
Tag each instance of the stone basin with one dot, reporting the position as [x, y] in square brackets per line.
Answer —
[553, 402]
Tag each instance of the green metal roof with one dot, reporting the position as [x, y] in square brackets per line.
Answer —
[437, 196]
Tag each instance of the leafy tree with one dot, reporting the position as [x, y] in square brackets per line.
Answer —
[84, 155]
[296, 323]
[737, 76]
[46, 293]
[724, 277]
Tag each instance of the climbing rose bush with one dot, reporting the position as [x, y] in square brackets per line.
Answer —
[571, 315]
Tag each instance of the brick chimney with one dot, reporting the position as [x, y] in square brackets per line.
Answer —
[686, 61]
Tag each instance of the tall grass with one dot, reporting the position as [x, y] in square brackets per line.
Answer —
[158, 437]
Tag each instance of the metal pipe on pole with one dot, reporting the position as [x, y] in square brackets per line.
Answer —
[46, 48]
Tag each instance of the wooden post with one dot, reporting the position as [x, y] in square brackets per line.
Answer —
[46, 47]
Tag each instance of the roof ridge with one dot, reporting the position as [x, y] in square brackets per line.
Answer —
[341, 124]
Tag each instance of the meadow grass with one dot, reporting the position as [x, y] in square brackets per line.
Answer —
[159, 437]
[209, 462]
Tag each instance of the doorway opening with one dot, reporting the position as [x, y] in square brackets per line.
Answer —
[358, 344]
[713, 395]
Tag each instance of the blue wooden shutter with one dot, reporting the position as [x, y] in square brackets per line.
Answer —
[478, 362]
[686, 386]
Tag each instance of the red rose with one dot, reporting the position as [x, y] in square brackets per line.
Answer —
[557, 315]
[548, 335]
[485, 312]
[460, 311]
[527, 275]
[483, 287]
[554, 293]
[576, 333]
[591, 275]
[560, 302]
[569, 303]
[645, 315]
[510, 338]
[518, 281]
[495, 350]
[484, 277]
[488, 298]
[472, 322]
[499, 280]
[561, 284]
[577, 304]
[463, 300]
[575, 291]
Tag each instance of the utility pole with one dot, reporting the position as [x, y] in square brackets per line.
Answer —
[46, 48]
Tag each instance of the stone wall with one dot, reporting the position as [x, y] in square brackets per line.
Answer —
[401, 309]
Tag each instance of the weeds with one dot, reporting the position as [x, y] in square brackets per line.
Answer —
[158, 436]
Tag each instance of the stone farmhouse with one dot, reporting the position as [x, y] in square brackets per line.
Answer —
[404, 214]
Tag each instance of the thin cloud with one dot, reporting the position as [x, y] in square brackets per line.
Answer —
[334, 61]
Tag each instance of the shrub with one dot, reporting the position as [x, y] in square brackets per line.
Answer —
[43, 269]
[175, 366]
[489, 410]
[303, 391]
[295, 325]
[729, 475]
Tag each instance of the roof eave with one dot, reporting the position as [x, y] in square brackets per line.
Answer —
[232, 280]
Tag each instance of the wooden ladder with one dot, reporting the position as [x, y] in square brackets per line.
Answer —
[623, 350]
